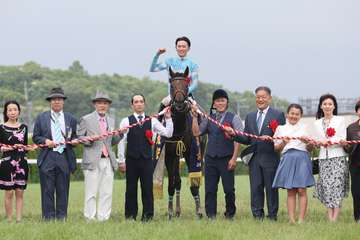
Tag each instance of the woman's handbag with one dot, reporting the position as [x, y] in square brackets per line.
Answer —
[315, 166]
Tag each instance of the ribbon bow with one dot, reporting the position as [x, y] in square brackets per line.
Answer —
[330, 132]
[149, 136]
[273, 125]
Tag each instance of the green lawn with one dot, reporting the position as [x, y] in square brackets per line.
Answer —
[185, 227]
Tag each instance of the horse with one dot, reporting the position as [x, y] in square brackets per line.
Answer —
[181, 144]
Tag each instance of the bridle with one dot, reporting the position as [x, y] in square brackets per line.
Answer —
[180, 106]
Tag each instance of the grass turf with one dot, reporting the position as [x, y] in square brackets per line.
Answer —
[185, 227]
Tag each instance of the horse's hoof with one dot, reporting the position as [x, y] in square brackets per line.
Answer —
[170, 215]
[199, 215]
[177, 214]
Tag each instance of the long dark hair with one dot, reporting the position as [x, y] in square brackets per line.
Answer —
[6, 118]
[320, 112]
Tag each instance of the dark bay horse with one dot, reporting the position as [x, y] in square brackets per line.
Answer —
[182, 144]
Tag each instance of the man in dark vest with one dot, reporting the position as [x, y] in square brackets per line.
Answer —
[221, 154]
[137, 161]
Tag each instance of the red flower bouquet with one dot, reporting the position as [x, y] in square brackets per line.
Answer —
[330, 132]
[149, 136]
[273, 125]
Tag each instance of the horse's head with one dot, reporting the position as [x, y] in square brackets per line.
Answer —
[179, 89]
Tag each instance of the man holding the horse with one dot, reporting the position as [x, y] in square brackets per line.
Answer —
[137, 161]
[221, 154]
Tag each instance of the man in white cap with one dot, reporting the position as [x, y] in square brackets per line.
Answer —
[99, 161]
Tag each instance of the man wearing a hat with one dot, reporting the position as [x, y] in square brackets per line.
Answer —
[99, 160]
[56, 161]
[221, 154]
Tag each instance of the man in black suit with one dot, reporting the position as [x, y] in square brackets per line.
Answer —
[56, 161]
[353, 133]
[265, 160]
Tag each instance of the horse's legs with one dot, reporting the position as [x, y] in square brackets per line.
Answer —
[191, 162]
[177, 186]
[172, 167]
[171, 186]
[195, 193]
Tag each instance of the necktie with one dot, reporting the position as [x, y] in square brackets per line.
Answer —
[140, 118]
[103, 127]
[259, 121]
[58, 136]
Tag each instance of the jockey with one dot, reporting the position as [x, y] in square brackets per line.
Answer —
[177, 64]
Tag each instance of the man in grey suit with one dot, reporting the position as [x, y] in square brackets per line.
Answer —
[264, 161]
[99, 160]
[56, 161]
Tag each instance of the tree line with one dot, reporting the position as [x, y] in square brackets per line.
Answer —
[30, 83]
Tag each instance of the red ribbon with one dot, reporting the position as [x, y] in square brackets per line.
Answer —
[273, 125]
[149, 136]
[278, 137]
[330, 132]
[84, 139]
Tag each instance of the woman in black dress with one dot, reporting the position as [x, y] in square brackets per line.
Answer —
[13, 165]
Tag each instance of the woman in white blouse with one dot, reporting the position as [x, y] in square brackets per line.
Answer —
[333, 182]
[295, 169]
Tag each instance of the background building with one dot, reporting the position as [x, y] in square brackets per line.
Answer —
[345, 105]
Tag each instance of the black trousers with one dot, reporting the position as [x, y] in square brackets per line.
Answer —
[139, 168]
[261, 178]
[355, 190]
[54, 181]
[214, 169]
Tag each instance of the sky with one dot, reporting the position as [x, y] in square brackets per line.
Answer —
[299, 48]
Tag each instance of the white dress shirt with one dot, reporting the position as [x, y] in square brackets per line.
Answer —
[289, 130]
[156, 127]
